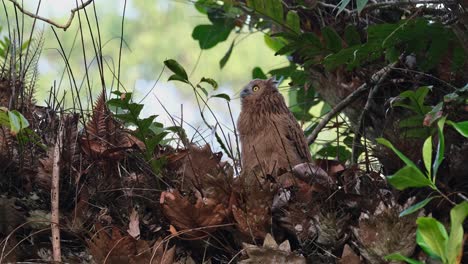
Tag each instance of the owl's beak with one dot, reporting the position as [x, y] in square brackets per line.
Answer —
[245, 92]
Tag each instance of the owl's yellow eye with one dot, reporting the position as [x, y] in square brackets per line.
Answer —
[255, 88]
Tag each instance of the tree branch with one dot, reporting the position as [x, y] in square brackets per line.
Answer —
[54, 197]
[64, 26]
[371, 97]
[347, 101]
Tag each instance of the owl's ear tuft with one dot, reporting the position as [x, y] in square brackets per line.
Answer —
[275, 81]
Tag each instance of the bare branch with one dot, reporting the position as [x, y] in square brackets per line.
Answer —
[55, 24]
[54, 197]
[347, 101]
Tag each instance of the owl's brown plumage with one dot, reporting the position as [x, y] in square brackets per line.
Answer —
[270, 135]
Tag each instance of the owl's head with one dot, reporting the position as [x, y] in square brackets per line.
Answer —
[259, 88]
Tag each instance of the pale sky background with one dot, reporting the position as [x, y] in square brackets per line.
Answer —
[172, 94]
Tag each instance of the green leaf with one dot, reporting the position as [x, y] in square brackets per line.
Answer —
[416, 207]
[17, 121]
[257, 73]
[440, 148]
[342, 5]
[408, 176]
[434, 235]
[154, 141]
[389, 145]
[145, 123]
[274, 43]
[398, 256]
[4, 120]
[427, 154]
[126, 117]
[332, 39]
[176, 68]
[412, 121]
[361, 4]
[209, 36]
[461, 127]
[223, 95]
[455, 241]
[274, 9]
[209, 81]
[226, 56]
[340, 152]
[287, 49]
[459, 58]
[351, 36]
[293, 21]
[392, 54]
[175, 77]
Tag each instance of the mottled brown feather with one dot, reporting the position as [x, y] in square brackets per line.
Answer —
[270, 135]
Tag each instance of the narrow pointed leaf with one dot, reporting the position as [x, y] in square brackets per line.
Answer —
[427, 154]
[416, 207]
[461, 127]
[226, 56]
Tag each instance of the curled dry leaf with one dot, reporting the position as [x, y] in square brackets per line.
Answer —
[376, 234]
[207, 182]
[186, 215]
[115, 247]
[251, 203]
[271, 252]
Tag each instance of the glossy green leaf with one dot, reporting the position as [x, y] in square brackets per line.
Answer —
[427, 154]
[440, 148]
[455, 241]
[175, 77]
[398, 256]
[434, 235]
[293, 21]
[226, 56]
[17, 121]
[408, 177]
[461, 127]
[274, 43]
[223, 95]
[416, 207]
[176, 68]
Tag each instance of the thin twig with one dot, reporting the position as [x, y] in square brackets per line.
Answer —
[372, 95]
[347, 101]
[54, 194]
[64, 26]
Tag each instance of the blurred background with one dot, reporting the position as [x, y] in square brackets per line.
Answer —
[153, 32]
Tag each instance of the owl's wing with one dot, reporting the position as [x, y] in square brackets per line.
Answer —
[296, 136]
